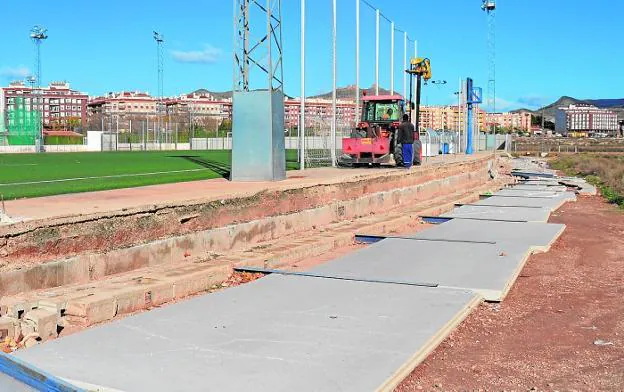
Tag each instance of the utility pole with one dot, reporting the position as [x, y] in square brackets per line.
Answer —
[489, 6]
[332, 143]
[357, 60]
[38, 35]
[404, 64]
[159, 39]
[302, 121]
[391, 58]
[377, 52]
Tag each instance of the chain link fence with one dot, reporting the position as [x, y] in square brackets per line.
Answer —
[149, 133]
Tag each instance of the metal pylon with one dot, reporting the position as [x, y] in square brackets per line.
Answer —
[258, 45]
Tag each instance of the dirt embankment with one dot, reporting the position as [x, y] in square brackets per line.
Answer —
[561, 327]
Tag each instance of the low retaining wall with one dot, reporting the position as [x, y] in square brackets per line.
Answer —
[62, 251]
[46, 148]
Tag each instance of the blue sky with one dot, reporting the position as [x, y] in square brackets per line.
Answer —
[545, 49]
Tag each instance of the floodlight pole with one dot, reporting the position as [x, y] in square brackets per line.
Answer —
[332, 143]
[391, 58]
[377, 52]
[302, 122]
[404, 64]
[357, 60]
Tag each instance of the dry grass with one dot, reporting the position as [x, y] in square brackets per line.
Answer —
[605, 171]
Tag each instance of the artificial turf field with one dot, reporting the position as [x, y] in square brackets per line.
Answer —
[32, 175]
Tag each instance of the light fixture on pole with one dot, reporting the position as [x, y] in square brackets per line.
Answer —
[38, 34]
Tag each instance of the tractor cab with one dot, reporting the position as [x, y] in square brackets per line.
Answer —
[373, 139]
[381, 115]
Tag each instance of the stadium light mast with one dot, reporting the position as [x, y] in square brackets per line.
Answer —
[160, 40]
[489, 6]
[38, 34]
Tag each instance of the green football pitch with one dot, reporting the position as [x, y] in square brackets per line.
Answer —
[32, 175]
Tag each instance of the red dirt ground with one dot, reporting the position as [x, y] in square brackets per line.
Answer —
[545, 335]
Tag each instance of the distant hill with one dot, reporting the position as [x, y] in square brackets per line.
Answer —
[345, 93]
[348, 92]
[217, 95]
[617, 105]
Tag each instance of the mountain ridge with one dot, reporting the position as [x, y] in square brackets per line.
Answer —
[614, 104]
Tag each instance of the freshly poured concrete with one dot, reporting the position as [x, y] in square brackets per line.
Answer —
[489, 269]
[531, 235]
[280, 333]
[487, 212]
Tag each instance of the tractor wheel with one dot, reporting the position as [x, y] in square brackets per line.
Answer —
[398, 155]
[417, 152]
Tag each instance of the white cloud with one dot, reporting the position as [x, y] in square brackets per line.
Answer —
[208, 55]
[534, 101]
[503, 104]
[14, 72]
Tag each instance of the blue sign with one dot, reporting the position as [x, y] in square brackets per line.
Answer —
[476, 96]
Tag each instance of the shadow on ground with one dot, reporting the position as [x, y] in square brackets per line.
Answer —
[220, 168]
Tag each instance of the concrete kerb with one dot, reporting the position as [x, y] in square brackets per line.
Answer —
[154, 286]
[87, 267]
[66, 236]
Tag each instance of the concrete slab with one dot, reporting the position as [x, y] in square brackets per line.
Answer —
[536, 194]
[549, 203]
[533, 235]
[489, 269]
[487, 212]
[8, 383]
[585, 187]
[540, 181]
[530, 165]
[275, 334]
[538, 187]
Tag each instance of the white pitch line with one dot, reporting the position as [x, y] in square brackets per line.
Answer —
[95, 178]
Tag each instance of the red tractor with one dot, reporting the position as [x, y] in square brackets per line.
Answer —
[373, 141]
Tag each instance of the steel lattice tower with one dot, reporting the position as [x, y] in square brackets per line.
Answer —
[489, 6]
[160, 39]
[38, 35]
[258, 45]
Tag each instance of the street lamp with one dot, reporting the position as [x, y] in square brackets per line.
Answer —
[436, 83]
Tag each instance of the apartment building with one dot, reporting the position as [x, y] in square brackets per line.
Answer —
[124, 102]
[200, 104]
[128, 103]
[59, 105]
[448, 117]
[585, 120]
[511, 121]
[318, 110]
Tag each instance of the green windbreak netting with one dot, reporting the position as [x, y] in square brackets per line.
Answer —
[23, 124]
